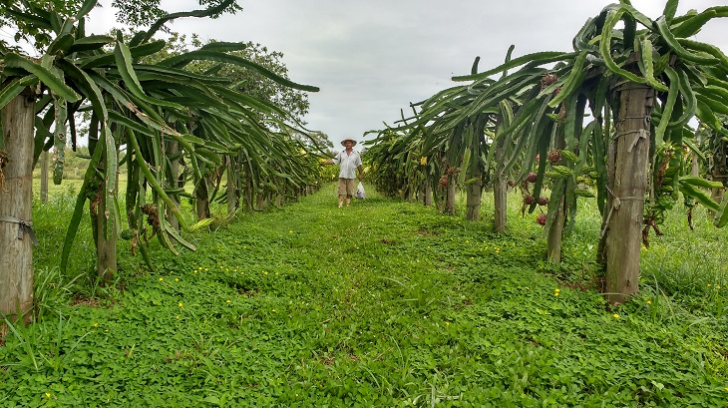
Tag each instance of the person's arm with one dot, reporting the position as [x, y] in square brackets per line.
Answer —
[335, 160]
[361, 172]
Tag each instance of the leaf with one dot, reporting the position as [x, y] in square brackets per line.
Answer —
[681, 52]
[722, 219]
[700, 182]
[668, 106]
[110, 167]
[78, 209]
[670, 9]
[88, 87]
[649, 66]
[692, 26]
[90, 43]
[153, 181]
[45, 76]
[204, 223]
[10, 91]
[86, 8]
[701, 197]
[605, 48]
[575, 78]
[123, 60]
[539, 57]
[61, 45]
[202, 55]
[221, 46]
[32, 19]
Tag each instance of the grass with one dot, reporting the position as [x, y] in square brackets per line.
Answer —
[385, 304]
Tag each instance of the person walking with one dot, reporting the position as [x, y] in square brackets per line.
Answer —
[349, 161]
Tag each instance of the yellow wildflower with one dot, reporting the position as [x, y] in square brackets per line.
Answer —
[48, 394]
[290, 231]
[423, 161]
[180, 304]
[176, 279]
[228, 302]
[616, 316]
[96, 325]
[161, 279]
[649, 302]
[447, 323]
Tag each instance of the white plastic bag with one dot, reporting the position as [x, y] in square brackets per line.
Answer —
[360, 191]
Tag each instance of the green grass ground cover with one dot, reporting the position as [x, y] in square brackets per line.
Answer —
[381, 304]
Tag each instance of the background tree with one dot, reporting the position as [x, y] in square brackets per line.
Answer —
[145, 12]
[18, 15]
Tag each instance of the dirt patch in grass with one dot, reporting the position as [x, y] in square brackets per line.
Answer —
[3, 332]
[85, 302]
[426, 233]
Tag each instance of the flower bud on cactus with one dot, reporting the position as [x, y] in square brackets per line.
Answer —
[541, 220]
[528, 199]
[548, 79]
[531, 178]
[443, 181]
[554, 156]
[543, 200]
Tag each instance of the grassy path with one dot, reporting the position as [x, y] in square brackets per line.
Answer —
[381, 304]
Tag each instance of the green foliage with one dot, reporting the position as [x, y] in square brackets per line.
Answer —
[17, 15]
[380, 304]
[152, 107]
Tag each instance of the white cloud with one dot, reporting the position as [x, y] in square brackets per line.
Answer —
[373, 58]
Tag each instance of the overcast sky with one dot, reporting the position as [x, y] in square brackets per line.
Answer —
[372, 58]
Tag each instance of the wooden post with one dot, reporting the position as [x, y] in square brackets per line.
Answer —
[500, 189]
[202, 201]
[717, 193]
[625, 215]
[172, 180]
[695, 171]
[44, 177]
[450, 200]
[555, 234]
[428, 192]
[475, 194]
[16, 203]
[106, 259]
[556, 230]
[232, 188]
